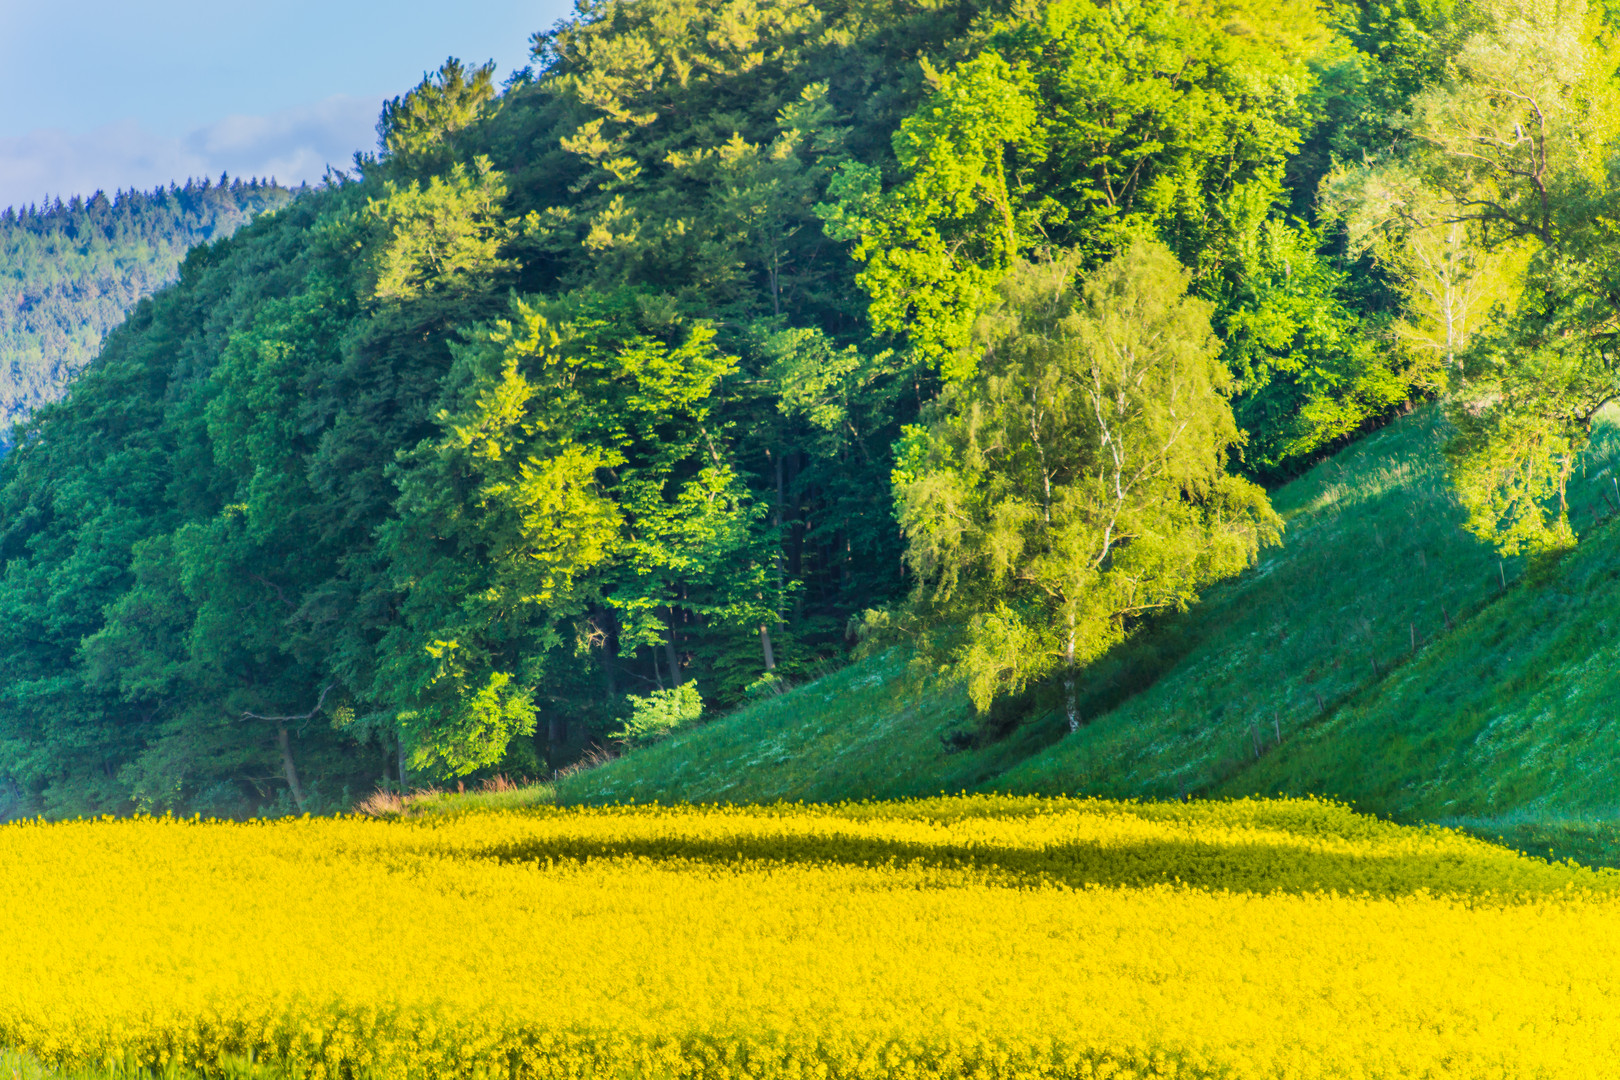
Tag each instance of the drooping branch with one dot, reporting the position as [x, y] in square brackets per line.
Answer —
[288, 719]
[280, 595]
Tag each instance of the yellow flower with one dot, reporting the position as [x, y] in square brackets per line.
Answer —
[989, 937]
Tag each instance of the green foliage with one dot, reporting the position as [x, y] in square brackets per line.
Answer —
[1496, 214]
[1196, 159]
[578, 473]
[1078, 483]
[660, 714]
[1308, 375]
[935, 244]
[601, 383]
[693, 143]
[1063, 131]
[413, 128]
[445, 236]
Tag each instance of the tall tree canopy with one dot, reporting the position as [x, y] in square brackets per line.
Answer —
[1496, 213]
[1077, 483]
[633, 382]
[1082, 125]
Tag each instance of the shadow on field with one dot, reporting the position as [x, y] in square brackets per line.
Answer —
[1258, 865]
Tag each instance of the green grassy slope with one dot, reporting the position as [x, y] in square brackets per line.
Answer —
[1495, 720]
[1318, 641]
[1514, 712]
[1373, 559]
[862, 732]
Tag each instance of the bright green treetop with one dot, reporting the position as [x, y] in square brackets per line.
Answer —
[1078, 482]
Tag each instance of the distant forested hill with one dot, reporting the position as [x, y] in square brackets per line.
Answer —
[69, 272]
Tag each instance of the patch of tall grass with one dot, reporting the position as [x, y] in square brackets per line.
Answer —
[495, 793]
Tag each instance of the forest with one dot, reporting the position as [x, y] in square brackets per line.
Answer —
[726, 339]
[73, 270]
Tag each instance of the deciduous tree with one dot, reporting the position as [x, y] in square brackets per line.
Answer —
[1078, 482]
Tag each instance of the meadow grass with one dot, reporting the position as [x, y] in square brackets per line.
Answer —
[1593, 841]
[1506, 723]
[497, 793]
[864, 731]
[1374, 560]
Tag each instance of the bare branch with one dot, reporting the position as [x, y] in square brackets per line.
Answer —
[285, 719]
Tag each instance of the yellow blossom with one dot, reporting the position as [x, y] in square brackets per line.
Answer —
[989, 937]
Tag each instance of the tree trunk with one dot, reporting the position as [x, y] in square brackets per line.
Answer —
[774, 270]
[765, 646]
[1070, 704]
[671, 654]
[796, 524]
[291, 769]
[776, 510]
[404, 774]
[556, 736]
[610, 656]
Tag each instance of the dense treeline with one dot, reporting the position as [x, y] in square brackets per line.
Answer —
[725, 335]
[70, 272]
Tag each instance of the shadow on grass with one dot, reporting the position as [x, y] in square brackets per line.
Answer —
[1589, 842]
[1256, 865]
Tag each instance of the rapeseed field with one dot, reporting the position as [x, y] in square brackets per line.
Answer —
[983, 937]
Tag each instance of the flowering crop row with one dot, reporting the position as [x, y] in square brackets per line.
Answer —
[955, 937]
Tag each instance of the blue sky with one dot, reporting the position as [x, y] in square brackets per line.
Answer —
[120, 93]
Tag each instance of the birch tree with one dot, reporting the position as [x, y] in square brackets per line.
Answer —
[1498, 213]
[1450, 279]
[1078, 482]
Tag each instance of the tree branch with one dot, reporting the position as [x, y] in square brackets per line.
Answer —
[284, 719]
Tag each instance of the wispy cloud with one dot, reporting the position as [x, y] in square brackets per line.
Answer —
[292, 145]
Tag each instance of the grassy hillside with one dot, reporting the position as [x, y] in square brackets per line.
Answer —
[1493, 720]
[862, 732]
[1374, 561]
[1512, 712]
